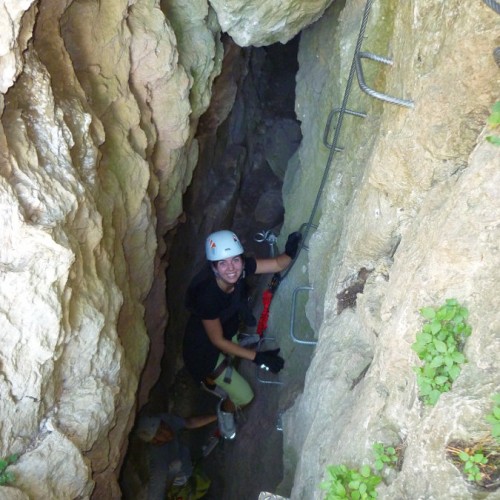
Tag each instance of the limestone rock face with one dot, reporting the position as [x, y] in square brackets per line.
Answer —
[96, 136]
[260, 23]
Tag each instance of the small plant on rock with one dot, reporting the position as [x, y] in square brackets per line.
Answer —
[472, 462]
[494, 418]
[345, 483]
[439, 346]
[494, 122]
[7, 477]
[478, 462]
[385, 456]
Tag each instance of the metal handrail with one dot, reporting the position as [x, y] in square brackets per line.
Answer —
[329, 124]
[292, 319]
[374, 93]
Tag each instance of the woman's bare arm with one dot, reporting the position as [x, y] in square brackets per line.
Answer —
[213, 328]
[273, 265]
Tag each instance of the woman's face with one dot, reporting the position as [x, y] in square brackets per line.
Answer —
[229, 270]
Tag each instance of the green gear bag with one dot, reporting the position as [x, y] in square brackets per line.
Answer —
[196, 487]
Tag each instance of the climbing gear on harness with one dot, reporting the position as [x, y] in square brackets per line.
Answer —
[222, 245]
[269, 360]
[208, 385]
[267, 297]
[226, 422]
[226, 364]
[270, 238]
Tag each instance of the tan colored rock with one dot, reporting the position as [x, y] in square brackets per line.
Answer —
[86, 108]
[261, 23]
[15, 30]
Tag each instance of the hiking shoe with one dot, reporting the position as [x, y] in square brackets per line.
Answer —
[248, 339]
[227, 427]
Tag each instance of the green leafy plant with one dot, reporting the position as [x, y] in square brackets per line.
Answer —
[353, 484]
[385, 456]
[7, 477]
[494, 122]
[471, 464]
[494, 417]
[439, 346]
[479, 462]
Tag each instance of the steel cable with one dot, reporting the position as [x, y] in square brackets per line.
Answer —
[333, 148]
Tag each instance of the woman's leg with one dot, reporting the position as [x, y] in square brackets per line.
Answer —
[239, 391]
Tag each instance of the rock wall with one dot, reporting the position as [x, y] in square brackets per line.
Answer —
[98, 112]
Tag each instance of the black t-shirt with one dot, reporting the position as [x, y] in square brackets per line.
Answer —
[206, 300]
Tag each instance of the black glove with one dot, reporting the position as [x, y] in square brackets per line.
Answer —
[269, 360]
[292, 244]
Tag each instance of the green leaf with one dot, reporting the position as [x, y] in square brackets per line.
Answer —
[495, 430]
[454, 372]
[379, 465]
[458, 357]
[437, 361]
[424, 337]
[425, 388]
[440, 345]
[429, 371]
[434, 396]
[354, 485]
[469, 465]
[428, 312]
[435, 327]
[441, 379]
[365, 471]
[494, 118]
[463, 456]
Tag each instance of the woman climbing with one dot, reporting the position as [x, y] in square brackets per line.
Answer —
[217, 301]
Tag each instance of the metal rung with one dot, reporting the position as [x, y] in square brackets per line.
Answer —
[329, 124]
[292, 320]
[374, 93]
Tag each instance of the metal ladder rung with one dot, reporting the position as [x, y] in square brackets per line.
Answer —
[374, 93]
[292, 319]
[329, 124]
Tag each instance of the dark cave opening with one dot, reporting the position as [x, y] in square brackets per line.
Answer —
[246, 139]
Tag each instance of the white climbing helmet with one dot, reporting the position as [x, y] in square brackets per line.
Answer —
[222, 245]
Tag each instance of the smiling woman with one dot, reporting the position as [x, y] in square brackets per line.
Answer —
[217, 301]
